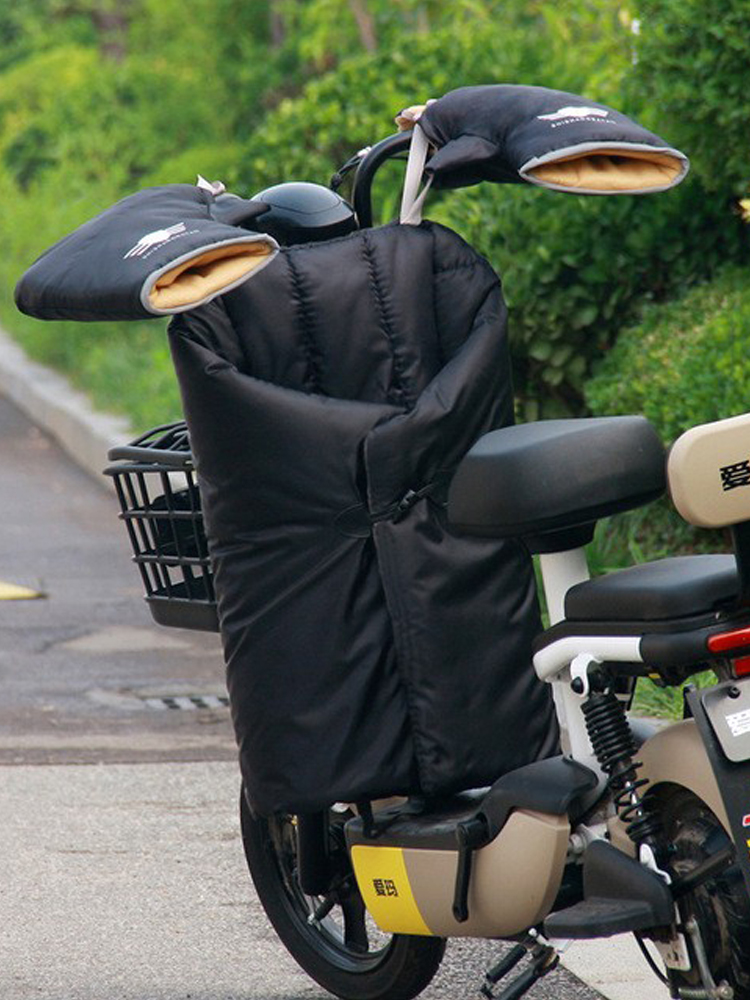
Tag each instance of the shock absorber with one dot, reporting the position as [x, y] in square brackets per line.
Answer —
[615, 749]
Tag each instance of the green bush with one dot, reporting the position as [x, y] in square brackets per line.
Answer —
[71, 121]
[576, 270]
[692, 69]
[124, 367]
[222, 94]
[77, 132]
[687, 362]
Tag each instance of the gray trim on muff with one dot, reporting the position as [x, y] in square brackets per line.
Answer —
[501, 132]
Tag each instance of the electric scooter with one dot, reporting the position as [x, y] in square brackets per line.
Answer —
[627, 829]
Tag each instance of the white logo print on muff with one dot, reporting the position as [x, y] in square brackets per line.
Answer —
[152, 240]
[576, 111]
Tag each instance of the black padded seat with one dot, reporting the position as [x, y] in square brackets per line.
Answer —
[412, 825]
[656, 591]
[557, 785]
[533, 479]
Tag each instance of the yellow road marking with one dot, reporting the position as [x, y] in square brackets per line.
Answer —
[12, 592]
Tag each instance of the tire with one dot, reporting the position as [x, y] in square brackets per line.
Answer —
[721, 906]
[343, 952]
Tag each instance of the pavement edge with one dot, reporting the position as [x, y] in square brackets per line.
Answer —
[49, 400]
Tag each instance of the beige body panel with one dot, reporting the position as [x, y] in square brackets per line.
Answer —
[709, 473]
[514, 879]
[676, 755]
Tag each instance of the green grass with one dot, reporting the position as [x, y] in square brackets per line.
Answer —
[124, 368]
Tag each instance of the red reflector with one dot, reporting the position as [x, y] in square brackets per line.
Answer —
[729, 640]
[741, 669]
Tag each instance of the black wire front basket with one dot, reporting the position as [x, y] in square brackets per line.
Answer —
[160, 505]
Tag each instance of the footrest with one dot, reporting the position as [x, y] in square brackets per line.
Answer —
[598, 918]
[620, 895]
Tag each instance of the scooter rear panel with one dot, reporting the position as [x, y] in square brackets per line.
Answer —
[514, 882]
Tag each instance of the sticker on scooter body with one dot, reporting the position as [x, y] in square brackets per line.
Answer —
[728, 709]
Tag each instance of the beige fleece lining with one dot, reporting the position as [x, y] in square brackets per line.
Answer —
[611, 170]
[195, 279]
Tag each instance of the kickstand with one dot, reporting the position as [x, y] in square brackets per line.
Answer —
[544, 958]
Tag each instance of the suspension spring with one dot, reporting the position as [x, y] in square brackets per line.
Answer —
[615, 749]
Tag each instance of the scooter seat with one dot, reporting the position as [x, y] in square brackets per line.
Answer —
[667, 589]
[548, 482]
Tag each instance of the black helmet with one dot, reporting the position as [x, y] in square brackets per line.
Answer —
[302, 213]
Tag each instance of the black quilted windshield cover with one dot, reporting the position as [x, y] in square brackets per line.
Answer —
[370, 651]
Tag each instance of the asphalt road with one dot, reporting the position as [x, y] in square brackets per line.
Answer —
[123, 877]
[78, 666]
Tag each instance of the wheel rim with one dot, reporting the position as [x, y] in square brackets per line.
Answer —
[346, 936]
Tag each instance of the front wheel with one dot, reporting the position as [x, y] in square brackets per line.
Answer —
[333, 939]
[721, 906]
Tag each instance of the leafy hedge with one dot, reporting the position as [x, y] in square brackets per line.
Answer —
[576, 270]
[307, 136]
[76, 133]
[211, 94]
[687, 362]
[693, 59]
[69, 121]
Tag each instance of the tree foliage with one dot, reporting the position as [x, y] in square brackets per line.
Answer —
[577, 270]
[101, 97]
[685, 363]
[693, 65]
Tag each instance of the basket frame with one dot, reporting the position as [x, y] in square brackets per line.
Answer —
[159, 496]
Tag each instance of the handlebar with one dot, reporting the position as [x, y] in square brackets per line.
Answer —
[368, 166]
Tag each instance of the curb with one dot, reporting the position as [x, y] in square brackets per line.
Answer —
[49, 400]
